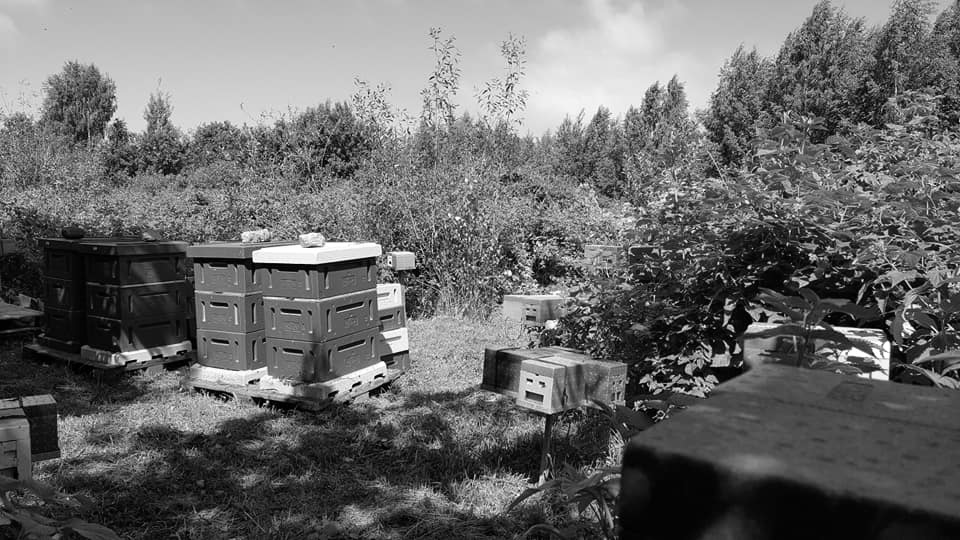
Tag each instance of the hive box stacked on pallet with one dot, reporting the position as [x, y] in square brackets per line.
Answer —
[228, 301]
[135, 299]
[320, 309]
[64, 294]
[393, 343]
[553, 379]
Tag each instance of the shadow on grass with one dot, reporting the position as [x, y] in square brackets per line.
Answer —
[425, 465]
[78, 390]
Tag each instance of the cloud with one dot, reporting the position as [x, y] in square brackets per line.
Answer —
[619, 50]
[23, 3]
[8, 32]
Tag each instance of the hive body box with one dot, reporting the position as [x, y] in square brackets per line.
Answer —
[391, 308]
[786, 453]
[592, 379]
[783, 349]
[64, 291]
[335, 269]
[135, 294]
[321, 309]
[532, 308]
[229, 305]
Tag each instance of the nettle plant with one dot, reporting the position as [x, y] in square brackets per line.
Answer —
[811, 341]
[24, 505]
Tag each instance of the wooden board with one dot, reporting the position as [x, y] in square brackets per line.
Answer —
[18, 320]
[36, 352]
[313, 403]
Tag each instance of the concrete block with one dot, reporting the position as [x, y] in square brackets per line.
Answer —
[786, 453]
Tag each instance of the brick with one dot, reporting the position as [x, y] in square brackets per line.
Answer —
[229, 312]
[320, 320]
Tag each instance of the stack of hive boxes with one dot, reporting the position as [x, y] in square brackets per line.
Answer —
[136, 299]
[321, 309]
[229, 305]
[64, 297]
[393, 343]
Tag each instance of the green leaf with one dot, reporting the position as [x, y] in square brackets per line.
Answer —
[91, 531]
[529, 492]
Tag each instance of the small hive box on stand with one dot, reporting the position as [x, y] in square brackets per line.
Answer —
[542, 386]
[401, 260]
[590, 379]
[596, 256]
[532, 309]
[391, 310]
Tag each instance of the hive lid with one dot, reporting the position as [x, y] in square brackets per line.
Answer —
[231, 250]
[72, 243]
[331, 252]
[128, 247]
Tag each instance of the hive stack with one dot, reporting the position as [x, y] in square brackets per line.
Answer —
[321, 310]
[228, 302]
[64, 294]
[393, 344]
[135, 299]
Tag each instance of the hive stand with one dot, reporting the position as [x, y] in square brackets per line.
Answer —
[106, 371]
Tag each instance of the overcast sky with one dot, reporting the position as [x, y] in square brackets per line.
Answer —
[239, 59]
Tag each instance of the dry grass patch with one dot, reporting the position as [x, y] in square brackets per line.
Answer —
[433, 457]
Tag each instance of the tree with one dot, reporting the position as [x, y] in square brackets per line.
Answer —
[569, 145]
[819, 67]
[79, 102]
[736, 105]
[118, 153]
[160, 147]
[902, 59]
[602, 153]
[216, 141]
[325, 139]
[502, 99]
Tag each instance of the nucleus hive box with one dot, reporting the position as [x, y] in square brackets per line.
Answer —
[532, 308]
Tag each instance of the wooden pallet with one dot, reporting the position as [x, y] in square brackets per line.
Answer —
[312, 396]
[18, 320]
[39, 353]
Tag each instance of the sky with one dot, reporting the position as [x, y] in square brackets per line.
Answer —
[249, 61]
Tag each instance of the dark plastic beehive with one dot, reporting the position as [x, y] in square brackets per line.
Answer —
[229, 312]
[231, 350]
[320, 320]
[315, 362]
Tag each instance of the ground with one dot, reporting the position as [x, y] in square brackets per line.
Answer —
[432, 457]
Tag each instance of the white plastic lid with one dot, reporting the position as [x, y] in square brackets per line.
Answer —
[331, 252]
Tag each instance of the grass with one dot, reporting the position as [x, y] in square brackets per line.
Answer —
[432, 457]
